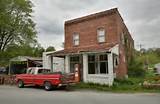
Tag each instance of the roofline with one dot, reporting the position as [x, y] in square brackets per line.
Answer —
[87, 52]
[125, 25]
[92, 16]
[50, 53]
[82, 52]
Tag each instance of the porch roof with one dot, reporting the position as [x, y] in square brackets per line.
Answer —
[77, 50]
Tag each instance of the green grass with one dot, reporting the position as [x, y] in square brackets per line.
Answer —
[131, 85]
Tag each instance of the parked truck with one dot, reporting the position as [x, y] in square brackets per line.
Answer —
[43, 77]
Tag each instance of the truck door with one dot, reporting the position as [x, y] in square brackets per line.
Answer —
[29, 77]
[39, 77]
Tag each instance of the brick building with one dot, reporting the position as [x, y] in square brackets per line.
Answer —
[100, 44]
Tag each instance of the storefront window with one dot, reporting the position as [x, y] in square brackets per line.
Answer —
[103, 63]
[98, 64]
[91, 64]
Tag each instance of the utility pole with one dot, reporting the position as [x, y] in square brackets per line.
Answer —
[146, 61]
[140, 48]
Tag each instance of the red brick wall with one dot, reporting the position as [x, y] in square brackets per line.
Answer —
[125, 52]
[88, 32]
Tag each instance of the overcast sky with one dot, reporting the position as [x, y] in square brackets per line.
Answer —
[142, 18]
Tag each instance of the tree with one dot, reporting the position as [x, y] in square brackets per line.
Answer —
[157, 51]
[24, 50]
[15, 50]
[38, 51]
[16, 25]
[50, 48]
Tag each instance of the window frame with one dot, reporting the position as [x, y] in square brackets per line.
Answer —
[92, 62]
[97, 63]
[76, 39]
[103, 61]
[99, 35]
[115, 60]
[73, 62]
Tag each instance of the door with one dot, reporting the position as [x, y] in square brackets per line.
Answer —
[76, 59]
[28, 78]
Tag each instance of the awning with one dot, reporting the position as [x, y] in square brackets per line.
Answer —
[81, 50]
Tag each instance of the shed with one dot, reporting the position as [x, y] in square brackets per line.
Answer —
[19, 64]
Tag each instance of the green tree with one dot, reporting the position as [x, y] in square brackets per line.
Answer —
[16, 25]
[50, 48]
[14, 50]
[38, 51]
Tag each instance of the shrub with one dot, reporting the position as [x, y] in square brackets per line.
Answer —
[122, 82]
[135, 69]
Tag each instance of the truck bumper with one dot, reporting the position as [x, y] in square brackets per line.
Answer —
[60, 85]
[65, 84]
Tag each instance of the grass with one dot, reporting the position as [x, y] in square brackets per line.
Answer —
[131, 85]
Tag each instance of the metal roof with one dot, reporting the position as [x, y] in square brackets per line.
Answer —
[26, 58]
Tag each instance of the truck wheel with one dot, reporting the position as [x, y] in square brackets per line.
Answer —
[47, 86]
[20, 84]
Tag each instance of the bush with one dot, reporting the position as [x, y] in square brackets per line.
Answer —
[150, 73]
[135, 69]
[122, 82]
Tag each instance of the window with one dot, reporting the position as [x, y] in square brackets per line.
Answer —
[115, 60]
[91, 64]
[40, 71]
[103, 63]
[29, 71]
[122, 38]
[75, 39]
[98, 64]
[101, 35]
[32, 71]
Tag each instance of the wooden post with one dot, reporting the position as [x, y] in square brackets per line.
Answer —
[9, 70]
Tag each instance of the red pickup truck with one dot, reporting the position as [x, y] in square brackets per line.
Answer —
[43, 77]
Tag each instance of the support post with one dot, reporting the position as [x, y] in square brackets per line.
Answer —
[110, 69]
[67, 64]
[85, 67]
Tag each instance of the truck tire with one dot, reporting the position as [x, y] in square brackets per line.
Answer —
[20, 84]
[47, 86]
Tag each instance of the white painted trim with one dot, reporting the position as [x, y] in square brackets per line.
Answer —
[67, 64]
[115, 49]
[98, 78]
[85, 67]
